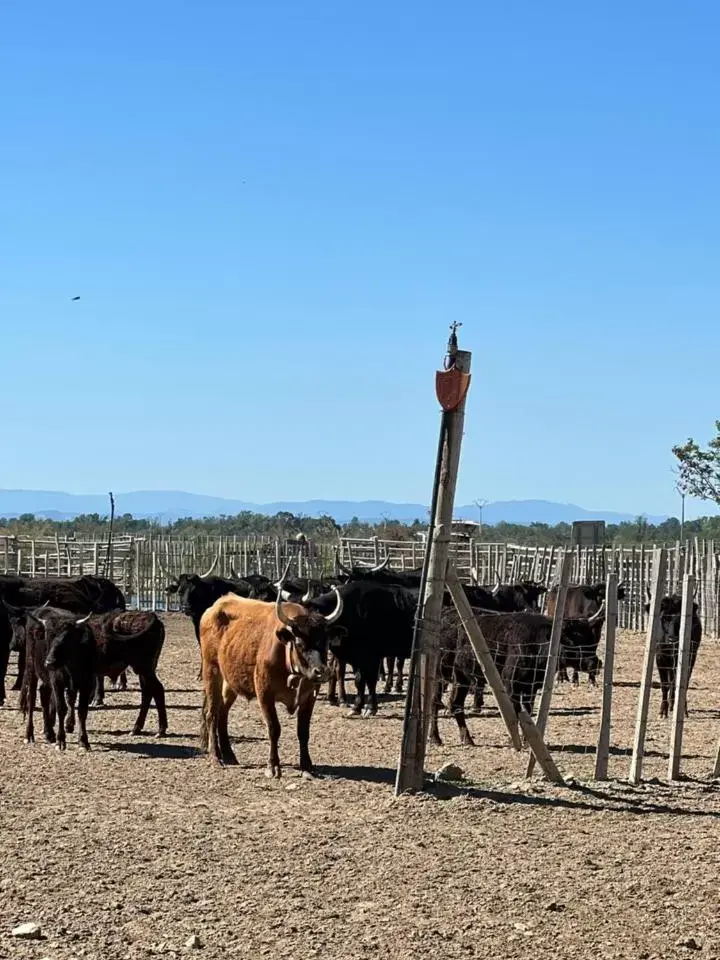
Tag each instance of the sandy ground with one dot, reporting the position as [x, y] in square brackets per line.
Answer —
[131, 849]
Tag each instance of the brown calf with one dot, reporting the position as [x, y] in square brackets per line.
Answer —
[276, 652]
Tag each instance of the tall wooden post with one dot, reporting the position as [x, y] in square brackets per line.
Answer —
[653, 630]
[603, 747]
[553, 652]
[681, 677]
[451, 388]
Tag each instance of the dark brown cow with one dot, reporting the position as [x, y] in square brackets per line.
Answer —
[131, 639]
[272, 651]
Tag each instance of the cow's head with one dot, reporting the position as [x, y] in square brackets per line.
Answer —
[184, 586]
[307, 635]
[529, 593]
[17, 618]
[670, 614]
[65, 634]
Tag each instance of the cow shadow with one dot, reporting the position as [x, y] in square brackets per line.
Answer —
[356, 774]
[153, 749]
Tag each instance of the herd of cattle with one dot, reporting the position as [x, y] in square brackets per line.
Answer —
[278, 642]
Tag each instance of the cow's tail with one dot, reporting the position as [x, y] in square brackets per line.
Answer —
[25, 693]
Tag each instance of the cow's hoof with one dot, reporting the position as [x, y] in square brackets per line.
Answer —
[368, 712]
[273, 772]
[137, 731]
[97, 703]
[70, 726]
[29, 741]
[466, 740]
[61, 746]
[84, 744]
[160, 734]
[50, 737]
[353, 712]
[333, 702]
[307, 775]
[387, 689]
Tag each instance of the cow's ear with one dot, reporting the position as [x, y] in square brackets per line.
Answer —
[284, 635]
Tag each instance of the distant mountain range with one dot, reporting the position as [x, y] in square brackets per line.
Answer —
[167, 505]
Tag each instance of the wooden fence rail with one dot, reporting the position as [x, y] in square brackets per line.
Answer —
[142, 566]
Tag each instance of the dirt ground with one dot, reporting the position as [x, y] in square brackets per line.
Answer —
[133, 848]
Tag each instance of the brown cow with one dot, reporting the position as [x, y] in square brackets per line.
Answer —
[272, 651]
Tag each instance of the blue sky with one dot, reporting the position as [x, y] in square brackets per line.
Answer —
[273, 211]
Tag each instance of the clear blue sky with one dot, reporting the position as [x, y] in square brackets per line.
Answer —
[272, 211]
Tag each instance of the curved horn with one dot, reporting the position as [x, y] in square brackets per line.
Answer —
[337, 612]
[380, 566]
[497, 586]
[79, 623]
[341, 565]
[307, 596]
[600, 613]
[204, 576]
[233, 572]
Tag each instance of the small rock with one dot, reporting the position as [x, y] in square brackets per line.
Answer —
[555, 907]
[193, 942]
[690, 943]
[450, 771]
[28, 931]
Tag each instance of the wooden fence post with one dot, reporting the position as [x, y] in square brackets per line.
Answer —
[451, 389]
[484, 657]
[553, 650]
[653, 627]
[603, 747]
[681, 679]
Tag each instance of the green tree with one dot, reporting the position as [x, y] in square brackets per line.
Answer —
[699, 468]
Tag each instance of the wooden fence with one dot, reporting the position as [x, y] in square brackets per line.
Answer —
[142, 566]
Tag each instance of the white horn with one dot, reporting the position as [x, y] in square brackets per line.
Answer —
[341, 565]
[497, 586]
[79, 623]
[204, 576]
[600, 613]
[337, 612]
[307, 596]
[380, 566]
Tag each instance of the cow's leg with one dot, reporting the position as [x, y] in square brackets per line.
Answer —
[399, 681]
[434, 735]
[341, 667]
[20, 669]
[359, 703]
[664, 691]
[47, 713]
[4, 658]
[99, 697]
[196, 626]
[267, 705]
[457, 708]
[227, 754]
[58, 688]
[84, 694]
[371, 678]
[390, 665]
[30, 707]
[305, 711]
[212, 703]
[121, 682]
[70, 697]
[150, 689]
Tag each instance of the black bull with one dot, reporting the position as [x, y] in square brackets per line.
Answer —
[519, 644]
[81, 595]
[379, 620]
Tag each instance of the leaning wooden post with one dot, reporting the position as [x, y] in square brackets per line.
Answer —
[451, 387]
[681, 678]
[482, 652]
[603, 747]
[553, 651]
[653, 628]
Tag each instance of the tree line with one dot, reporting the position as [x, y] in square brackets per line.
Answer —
[325, 529]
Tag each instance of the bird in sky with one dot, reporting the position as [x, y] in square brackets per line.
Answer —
[74, 298]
